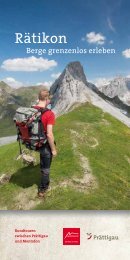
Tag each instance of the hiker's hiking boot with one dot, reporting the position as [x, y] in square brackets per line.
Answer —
[41, 193]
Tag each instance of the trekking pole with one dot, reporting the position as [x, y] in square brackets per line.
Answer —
[20, 149]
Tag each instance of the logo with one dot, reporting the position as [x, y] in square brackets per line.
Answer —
[71, 236]
[100, 237]
[89, 235]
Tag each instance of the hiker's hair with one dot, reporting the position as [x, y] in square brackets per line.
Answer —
[43, 94]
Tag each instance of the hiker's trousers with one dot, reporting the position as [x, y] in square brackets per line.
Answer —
[45, 164]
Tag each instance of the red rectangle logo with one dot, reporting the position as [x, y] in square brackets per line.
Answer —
[71, 236]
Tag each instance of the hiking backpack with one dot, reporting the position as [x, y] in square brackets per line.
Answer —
[30, 130]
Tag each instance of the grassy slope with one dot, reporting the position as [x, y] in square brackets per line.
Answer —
[7, 127]
[107, 161]
[23, 97]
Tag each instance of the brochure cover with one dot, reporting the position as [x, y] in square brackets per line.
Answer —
[64, 129]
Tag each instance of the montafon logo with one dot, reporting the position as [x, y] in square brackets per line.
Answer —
[71, 236]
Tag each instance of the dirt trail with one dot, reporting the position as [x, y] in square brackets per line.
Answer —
[27, 199]
[88, 181]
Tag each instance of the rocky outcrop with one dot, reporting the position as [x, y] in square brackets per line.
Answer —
[118, 87]
[70, 88]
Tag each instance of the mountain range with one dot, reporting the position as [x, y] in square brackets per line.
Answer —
[70, 89]
[116, 91]
[118, 87]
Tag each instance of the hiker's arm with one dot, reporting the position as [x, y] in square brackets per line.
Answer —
[50, 138]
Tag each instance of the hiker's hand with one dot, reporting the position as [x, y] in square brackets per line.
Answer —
[54, 153]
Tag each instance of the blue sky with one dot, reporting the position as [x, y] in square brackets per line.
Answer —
[86, 24]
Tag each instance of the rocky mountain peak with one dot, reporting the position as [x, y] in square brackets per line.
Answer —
[76, 71]
[69, 88]
[118, 87]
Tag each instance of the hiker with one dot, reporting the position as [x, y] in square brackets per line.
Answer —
[49, 149]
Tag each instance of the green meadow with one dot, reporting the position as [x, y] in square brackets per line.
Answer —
[91, 171]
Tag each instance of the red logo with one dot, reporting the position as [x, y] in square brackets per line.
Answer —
[71, 236]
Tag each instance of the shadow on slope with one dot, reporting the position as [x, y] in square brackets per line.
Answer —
[26, 177]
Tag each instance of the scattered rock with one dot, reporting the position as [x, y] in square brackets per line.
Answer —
[27, 159]
[4, 178]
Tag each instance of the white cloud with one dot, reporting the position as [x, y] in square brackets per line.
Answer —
[39, 83]
[12, 82]
[28, 64]
[55, 75]
[126, 53]
[45, 84]
[93, 37]
[110, 25]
